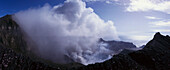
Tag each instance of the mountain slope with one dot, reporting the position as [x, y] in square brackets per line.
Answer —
[154, 56]
[11, 35]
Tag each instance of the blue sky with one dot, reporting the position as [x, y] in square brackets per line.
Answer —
[135, 20]
[13, 6]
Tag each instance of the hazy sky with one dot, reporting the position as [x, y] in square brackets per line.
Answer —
[136, 20]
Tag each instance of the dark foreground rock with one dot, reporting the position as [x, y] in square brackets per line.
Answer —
[10, 60]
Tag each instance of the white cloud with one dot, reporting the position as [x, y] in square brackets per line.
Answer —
[106, 1]
[147, 5]
[139, 37]
[151, 17]
[161, 30]
[138, 40]
[88, 0]
[160, 23]
[98, 0]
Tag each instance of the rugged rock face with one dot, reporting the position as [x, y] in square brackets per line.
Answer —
[10, 60]
[10, 34]
[154, 56]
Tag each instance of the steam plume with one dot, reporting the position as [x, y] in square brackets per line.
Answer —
[67, 30]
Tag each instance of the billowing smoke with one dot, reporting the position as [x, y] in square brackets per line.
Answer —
[67, 32]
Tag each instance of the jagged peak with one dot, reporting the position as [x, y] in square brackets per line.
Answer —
[101, 40]
[158, 35]
[167, 36]
[6, 17]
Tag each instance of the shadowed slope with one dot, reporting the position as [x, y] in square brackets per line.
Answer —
[154, 56]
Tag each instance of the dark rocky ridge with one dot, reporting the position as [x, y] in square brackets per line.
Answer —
[117, 46]
[154, 56]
